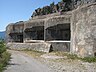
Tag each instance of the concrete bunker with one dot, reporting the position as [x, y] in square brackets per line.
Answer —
[74, 32]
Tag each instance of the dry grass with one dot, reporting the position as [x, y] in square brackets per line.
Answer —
[34, 54]
[67, 56]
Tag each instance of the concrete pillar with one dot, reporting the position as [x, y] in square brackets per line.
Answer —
[83, 31]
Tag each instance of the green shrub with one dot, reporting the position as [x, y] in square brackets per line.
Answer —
[4, 56]
[4, 60]
[1, 67]
[89, 59]
[2, 47]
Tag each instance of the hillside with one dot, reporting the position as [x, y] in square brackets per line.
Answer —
[2, 34]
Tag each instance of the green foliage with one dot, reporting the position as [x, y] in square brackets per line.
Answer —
[4, 56]
[66, 0]
[52, 4]
[4, 60]
[1, 67]
[85, 59]
[63, 0]
[2, 47]
[89, 59]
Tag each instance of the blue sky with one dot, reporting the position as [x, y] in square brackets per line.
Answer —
[12, 11]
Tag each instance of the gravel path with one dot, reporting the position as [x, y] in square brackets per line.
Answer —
[21, 62]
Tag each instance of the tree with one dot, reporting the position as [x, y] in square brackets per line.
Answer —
[52, 4]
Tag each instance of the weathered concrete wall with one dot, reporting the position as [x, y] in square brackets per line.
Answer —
[78, 3]
[9, 28]
[33, 23]
[18, 27]
[51, 15]
[60, 46]
[44, 47]
[83, 31]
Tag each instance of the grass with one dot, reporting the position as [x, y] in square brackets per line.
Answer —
[74, 57]
[33, 53]
[4, 56]
[69, 56]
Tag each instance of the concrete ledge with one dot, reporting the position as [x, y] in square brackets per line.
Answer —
[43, 47]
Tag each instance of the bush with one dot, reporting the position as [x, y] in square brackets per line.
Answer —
[4, 60]
[4, 56]
[2, 47]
